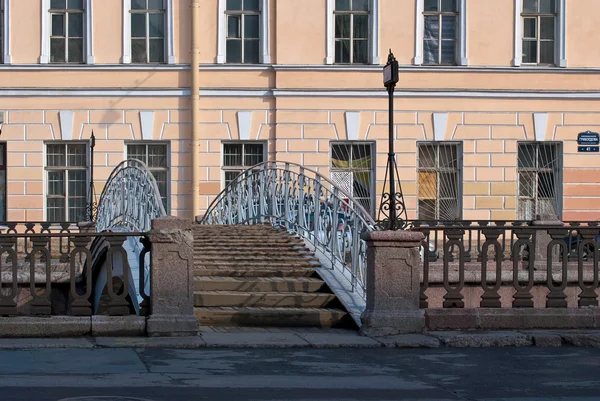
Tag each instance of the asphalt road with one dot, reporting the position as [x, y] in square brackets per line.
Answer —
[523, 374]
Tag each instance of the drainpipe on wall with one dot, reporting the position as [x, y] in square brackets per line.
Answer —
[195, 93]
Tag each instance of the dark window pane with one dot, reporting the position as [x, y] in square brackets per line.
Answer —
[234, 4]
[55, 155]
[530, 28]
[76, 4]
[547, 6]
[251, 26]
[233, 26]
[546, 157]
[76, 155]
[253, 154]
[526, 184]
[56, 183]
[431, 5]
[432, 27]
[156, 25]
[234, 51]
[448, 157]
[547, 52]
[230, 176]
[547, 28]
[251, 52]
[251, 5]
[232, 154]
[427, 209]
[427, 156]
[57, 4]
[138, 4]
[76, 25]
[342, 5]
[75, 50]
[360, 5]
[448, 27]
[137, 152]
[342, 26]
[529, 51]
[431, 52]
[155, 5]
[546, 187]
[342, 51]
[448, 185]
[361, 26]
[138, 51]
[58, 25]
[57, 50]
[530, 6]
[449, 6]
[161, 181]
[157, 50]
[157, 156]
[448, 52]
[526, 155]
[138, 25]
[361, 51]
[56, 209]
[77, 181]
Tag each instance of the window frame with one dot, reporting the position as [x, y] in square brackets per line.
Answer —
[461, 35]
[167, 146]
[146, 12]
[169, 38]
[559, 154]
[46, 33]
[3, 167]
[459, 170]
[560, 43]
[538, 15]
[66, 12]
[242, 14]
[66, 169]
[243, 167]
[264, 34]
[373, 46]
[440, 16]
[351, 37]
[373, 168]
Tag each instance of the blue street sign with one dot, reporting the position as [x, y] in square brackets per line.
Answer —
[588, 149]
[588, 138]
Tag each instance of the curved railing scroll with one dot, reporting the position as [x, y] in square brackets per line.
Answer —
[128, 203]
[305, 203]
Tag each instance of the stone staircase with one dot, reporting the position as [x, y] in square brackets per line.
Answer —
[258, 275]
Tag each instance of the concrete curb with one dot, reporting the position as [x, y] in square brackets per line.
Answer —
[324, 339]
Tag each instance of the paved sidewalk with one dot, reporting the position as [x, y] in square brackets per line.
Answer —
[235, 337]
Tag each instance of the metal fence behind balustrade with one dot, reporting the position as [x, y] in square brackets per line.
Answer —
[509, 260]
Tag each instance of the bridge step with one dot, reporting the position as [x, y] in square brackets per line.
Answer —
[259, 284]
[262, 299]
[255, 272]
[260, 276]
[277, 317]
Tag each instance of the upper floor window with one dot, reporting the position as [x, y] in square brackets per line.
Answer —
[67, 31]
[67, 181]
[2, 38]
[155, 157]
[539, 29]
[353, 170]
[440, 31]
[351, 31]
[539, 174]
[239, 156]
[243, 31]
[148, 31]
[439, 187]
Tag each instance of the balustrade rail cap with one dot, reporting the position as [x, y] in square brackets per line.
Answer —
[394, 236]
[171, 223]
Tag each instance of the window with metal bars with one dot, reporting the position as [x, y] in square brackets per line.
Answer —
[3, 181]
[239, 156]
[439, 186]
[3, 45]
[148, 20]
[243, 31]
[351, 31]
[440, 28]
[67, 181]
[539, 172]
[353, 170]
[155, 156]
[539, 30]
[67, 27]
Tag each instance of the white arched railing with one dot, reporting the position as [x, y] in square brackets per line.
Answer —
[306, 203]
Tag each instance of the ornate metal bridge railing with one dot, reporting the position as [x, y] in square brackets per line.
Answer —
[304, 202]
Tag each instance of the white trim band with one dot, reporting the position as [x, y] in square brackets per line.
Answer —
[133, 92]
[89, 33]
[45, 31]
[6, 47]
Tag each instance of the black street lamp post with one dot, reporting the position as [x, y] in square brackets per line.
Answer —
[91, 205]
[392, 210]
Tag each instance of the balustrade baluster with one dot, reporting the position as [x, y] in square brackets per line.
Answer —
[8, 303]
[589, 247]
[116, 260]
[490, 297]
[81, 306]
[40, 305]
[423, 303]
[523, 297]
[557, 297]
[453, 297]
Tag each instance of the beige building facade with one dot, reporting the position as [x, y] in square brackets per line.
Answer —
[491, 100]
